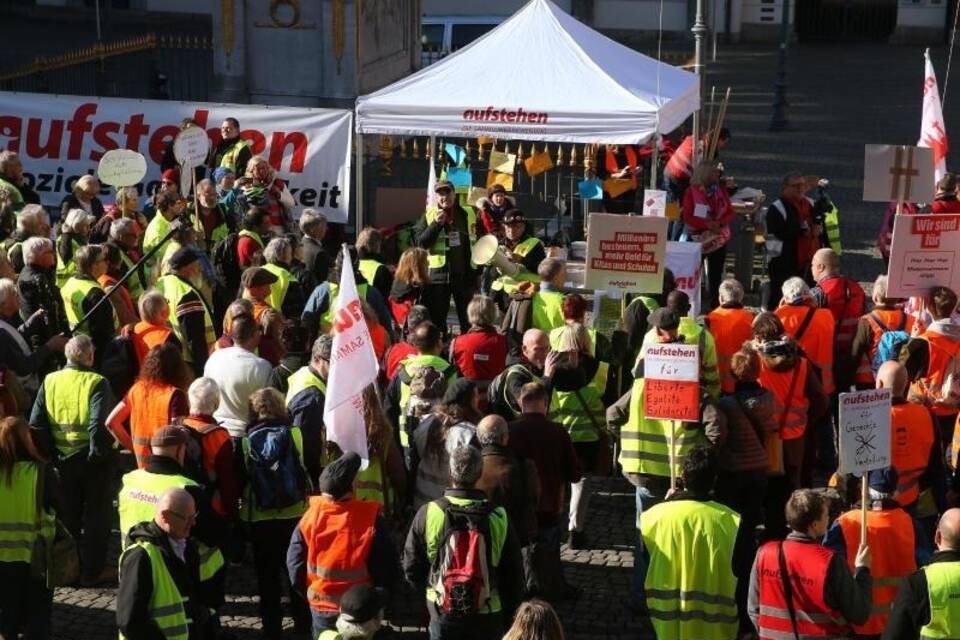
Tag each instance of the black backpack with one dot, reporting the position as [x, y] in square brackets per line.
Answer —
[274, 469]
[226, 262]
[119, 364]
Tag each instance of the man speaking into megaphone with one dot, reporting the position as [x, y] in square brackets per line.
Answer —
[522, 248]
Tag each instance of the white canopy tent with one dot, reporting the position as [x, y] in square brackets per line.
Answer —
[541, 75]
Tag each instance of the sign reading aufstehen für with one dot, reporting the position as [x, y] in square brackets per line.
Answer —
[864, 430]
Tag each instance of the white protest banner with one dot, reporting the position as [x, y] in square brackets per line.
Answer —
[655, 203]
[60, 138]
[353, 367]
[625, 253]
[122, 168]
[864, 430]
[671, 374]
[925, 253]
[683, 260]
[894, 173]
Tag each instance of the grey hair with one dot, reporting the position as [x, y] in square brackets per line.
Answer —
[205, 182]
[30, 215]
[75, 219]
[310, 219]
[491, 430]
[549, 268]
[204, 396]
[276, 250]
[127, 193]
[79, 350]
[120, 226]
[87, 256]
[795, 289]
[879, 293]
[83, 181]
[33, 247]
[466, 465]
[482, 311]
[731, 291]
[350, 630]
[8, 158]
[151, 304]
[7, 288]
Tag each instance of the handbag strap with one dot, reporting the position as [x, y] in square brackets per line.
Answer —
[787, 589]
[806, 323]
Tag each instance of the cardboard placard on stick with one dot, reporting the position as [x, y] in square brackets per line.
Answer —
[121, 168]
[625, 253]
[924, 253]
[864, 430]
[894, 173]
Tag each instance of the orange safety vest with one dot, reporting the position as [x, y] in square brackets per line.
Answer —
[680, 165]
[338, 536]
[892, 320]
[213, 439]
[146, 336]
[610, 162]
[941, 350]
[730, 329]
[816, 340]
[149, 404]
[912, 439]
[790, 402]
[891, 539]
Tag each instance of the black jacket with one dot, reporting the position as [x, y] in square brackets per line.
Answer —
[136, 585]
[911, 608]
[457, 266]
[71, 202]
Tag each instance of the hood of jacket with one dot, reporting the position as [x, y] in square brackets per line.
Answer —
[149, 532]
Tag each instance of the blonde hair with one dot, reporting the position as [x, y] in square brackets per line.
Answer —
[413, 268]
[535, 620]
[575, 337]
[83, 182]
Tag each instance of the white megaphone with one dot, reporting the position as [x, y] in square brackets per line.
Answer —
[487, 251]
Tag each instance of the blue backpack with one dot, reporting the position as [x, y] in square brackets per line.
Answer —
[891, 342]
[274, 468]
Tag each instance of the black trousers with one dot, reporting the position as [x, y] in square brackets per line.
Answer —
[88, 492]
[436, 297]
[715, 262]
[780, 270]
[270, 541]
[25, 603]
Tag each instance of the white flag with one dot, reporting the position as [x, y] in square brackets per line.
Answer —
[353, 366]
[933, 130]
[431, 183]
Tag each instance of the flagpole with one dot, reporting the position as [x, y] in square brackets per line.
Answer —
[358, 143]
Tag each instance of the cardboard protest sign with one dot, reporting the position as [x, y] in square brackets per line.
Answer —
[122, 168]
[191, 146]
[503, 179]
[671, 389]
[893, 173]
[625, 253]
[925, 253]
[502, 162]
[864, 430]
[538, 163]
[654, 203]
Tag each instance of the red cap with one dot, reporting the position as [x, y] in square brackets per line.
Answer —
[170, 175]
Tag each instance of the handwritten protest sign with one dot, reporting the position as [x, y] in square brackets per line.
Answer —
[864, 430]
[191, 146]
[671, 375]
[654, 203]
[625, 253]
[925, 253]
[121, 168]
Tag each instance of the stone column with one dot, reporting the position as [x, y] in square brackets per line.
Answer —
[229, 52]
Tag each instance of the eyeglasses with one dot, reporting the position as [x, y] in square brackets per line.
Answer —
[188, 518]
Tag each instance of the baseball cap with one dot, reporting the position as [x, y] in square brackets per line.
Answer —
[256, 277]
[169, 436]
[514, 215]
[441, 185]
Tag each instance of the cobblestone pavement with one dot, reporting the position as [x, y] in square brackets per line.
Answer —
[841, 97]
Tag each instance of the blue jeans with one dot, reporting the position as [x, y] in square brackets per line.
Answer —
[323, 622]
[646, 498]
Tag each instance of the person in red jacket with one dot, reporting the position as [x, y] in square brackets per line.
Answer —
[398, 351]
[707, 214]
[481, 352]
[846, 300]
[492, 209]
[946, 199]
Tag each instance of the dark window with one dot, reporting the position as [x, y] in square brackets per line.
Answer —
[432, 37]
[464, 34]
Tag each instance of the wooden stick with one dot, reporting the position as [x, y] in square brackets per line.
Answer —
[713, 98]
[715, 133]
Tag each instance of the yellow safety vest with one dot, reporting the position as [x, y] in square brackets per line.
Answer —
[67, 394]
[18, 513]
[689, 586]
[369, 267]
[509, 284]
[134, 283]
[301, 379]
[408, 368]
[574, 412]
[74, 292]
[437, 258]
[66, 270]
[14, 192]
[173, 288]
[943, 587]
[167, 605]
[138, 499]
[230, 156]
[156, 231]
[278, 290]
[547, 310]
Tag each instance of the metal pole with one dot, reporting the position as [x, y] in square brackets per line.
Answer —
[699, 30]
[359, 178]
[96, 5]
[654, 159]
[779, 122]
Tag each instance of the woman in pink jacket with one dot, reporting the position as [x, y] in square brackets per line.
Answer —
[707, 214]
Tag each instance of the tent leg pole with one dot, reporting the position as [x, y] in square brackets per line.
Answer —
[654, 159]
[359, 178]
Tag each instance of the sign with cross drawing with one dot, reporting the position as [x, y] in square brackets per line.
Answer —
[864, 430]
[894, 173]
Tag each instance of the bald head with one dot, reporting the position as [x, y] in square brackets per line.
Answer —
[175, 499]
[492, 430]
[825, 263]
[948, 531]
[893, 375]
[536, 346]
[176, 513]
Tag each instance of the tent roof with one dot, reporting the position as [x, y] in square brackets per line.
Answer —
[540, 75]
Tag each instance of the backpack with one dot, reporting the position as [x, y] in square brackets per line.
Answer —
[890, 343]
[462, 573]
[274, 469]
[119, 364]
[226, 262]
